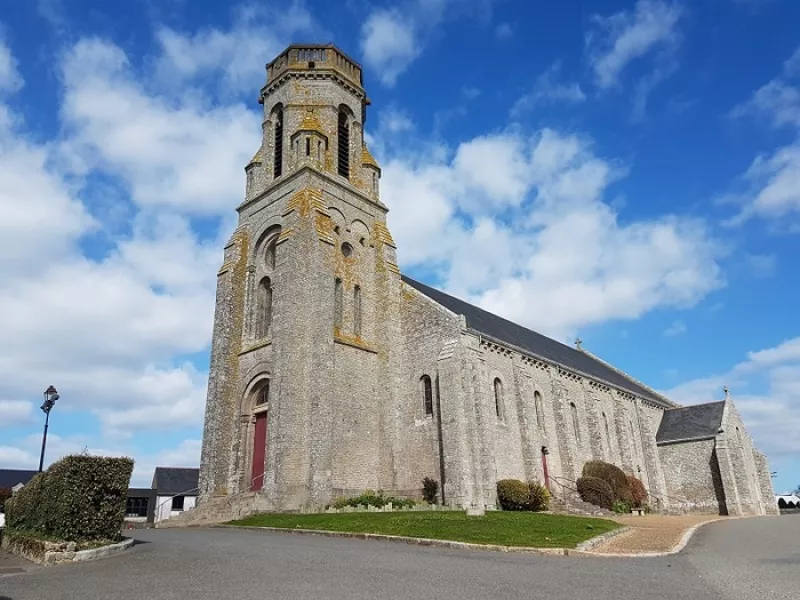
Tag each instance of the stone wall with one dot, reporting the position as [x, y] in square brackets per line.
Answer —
[692, 479]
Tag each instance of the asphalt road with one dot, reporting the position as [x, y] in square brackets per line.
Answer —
[754, 559]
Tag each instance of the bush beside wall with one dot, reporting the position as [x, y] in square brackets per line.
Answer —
[78, 498]
[596, 491]
[513, 494]
[613, 476]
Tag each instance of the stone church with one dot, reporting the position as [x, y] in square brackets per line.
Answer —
[332, 373]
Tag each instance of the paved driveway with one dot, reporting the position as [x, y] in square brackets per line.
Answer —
[733, 560]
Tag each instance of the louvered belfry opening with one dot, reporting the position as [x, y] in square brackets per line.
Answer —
[277, 169]
[344, 145]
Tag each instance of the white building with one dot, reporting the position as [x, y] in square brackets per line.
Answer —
[175, 491]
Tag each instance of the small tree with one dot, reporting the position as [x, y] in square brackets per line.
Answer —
[638, 492]
[596, 491]
[430, 490]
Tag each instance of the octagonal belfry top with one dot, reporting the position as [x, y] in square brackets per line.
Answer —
[321, 57]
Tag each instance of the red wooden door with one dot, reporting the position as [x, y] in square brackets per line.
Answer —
[259, 452]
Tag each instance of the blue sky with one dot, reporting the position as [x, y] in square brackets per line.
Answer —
[627, 172]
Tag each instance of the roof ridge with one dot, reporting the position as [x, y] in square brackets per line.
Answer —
[539, 345]
[631, 378]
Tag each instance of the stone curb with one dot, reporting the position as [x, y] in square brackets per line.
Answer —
[419, 541]
[103, 551]
[603, 537]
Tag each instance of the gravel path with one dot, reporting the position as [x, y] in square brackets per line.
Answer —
[651, 533]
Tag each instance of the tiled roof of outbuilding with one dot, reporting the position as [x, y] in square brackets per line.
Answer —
[176, 480]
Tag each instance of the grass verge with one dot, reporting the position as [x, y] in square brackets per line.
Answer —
[503, 528]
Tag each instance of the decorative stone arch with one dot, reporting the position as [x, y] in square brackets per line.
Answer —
[254, 410]
[339, 220]
[360, 232]
[267, 234]
[262, 268]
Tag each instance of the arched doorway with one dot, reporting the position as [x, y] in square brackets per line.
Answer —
[260, 403]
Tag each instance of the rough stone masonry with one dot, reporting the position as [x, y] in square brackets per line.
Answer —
[331, 373]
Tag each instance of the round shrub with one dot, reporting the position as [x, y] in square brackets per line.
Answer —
[613, 476]
[538, 497]
[512, 494]
[596, 491]
[638, 492]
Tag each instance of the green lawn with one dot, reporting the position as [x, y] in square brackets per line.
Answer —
[503, 528]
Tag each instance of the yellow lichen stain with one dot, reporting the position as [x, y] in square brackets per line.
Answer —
[367, 158]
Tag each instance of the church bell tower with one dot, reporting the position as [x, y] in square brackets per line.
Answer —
[307, 306]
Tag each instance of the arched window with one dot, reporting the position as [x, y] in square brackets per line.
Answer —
[633, 442]
[277, 166]
[498, 397]
[537, 405]
[357, 310]
[337, 303]
[269, 254]
[262, 394]
[344, 144]
[427, 392]
[264, 308]
[608, 431]
[575, 425]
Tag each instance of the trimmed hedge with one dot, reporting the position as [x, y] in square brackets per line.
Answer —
[638, 492]
[613, 476]
[79, 498]
[513, 494]
[596, 491]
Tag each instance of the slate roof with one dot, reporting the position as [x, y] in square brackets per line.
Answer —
[176, 480]
[697, 422]
[536, 344]
[11, 477]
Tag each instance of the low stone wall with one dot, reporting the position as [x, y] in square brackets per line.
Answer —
[46, 552]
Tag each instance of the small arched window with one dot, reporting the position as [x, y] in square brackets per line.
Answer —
[269, 254]
[633, 441]
[337, 303]
[264, 308]
[277, 165]
[427, 395]
[498, 397]
[608, 431]
[537, 405]
[262, 395]
[344, 144]
[575, 424]
[357, 310]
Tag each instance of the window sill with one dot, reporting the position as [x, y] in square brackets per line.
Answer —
[256, 346]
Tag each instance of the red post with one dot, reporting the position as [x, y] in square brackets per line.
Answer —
[544, 468]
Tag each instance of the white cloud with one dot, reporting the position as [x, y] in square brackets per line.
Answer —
[10, 78]
[15, 412]
[766, 390]
[389, 43]
[518, 224]
[109, 330]
[626, 36]
[391, 39]
[676, 329]
[184, 156]
[773, 184]
[779, 99]
[549, 90]
[238, 55]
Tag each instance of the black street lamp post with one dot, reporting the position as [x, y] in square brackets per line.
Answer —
[50, 397]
